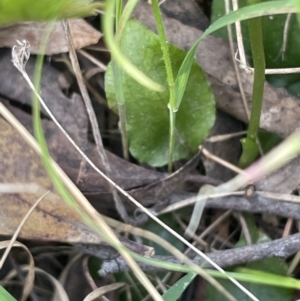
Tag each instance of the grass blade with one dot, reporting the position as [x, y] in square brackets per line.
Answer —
[261, 9]
[123, 62]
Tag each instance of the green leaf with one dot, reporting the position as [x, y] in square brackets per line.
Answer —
[5, 295]
[147, 115]
[176, 290]
[42, 10]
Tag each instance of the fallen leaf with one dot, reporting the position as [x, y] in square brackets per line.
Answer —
[83, 35]
[53, 220]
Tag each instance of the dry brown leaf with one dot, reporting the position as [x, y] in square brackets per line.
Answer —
[53, 220]
[83, 35]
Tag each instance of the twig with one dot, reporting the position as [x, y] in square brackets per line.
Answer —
[287, 228]
[285, 35]
[196, 198]
[93, 119]
[239, 37]
[282, 248]
[219, 138]
[93, 59]
[245, 228]
[236, 69]
[215, 224]
[222, 162]
[256, 204]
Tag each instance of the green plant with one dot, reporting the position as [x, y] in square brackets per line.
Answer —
[150, 129]
[184, 73]
[27, 10]
[5, 296]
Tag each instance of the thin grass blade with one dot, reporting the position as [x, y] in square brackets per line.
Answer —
[257, 10]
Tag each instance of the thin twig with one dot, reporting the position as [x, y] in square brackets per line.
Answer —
[93, 119]
[245, 228]
[222, 162]
[93, 59]
[258, 203]
[285, 35]
[197, 198]
[288, 228]
[282, 248]
[219, 138]
[239, 38]
[237, 71]
[215, 224]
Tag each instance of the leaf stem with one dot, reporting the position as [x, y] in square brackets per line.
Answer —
[256, 39]
[172, 115]
[250, 147]
[165, 50]
[118, 74]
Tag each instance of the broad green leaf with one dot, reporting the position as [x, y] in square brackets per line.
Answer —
[5, 295]
[42, 10]
[273, 35]
[147, 115]
[176, 290]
